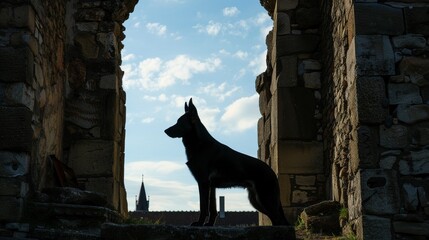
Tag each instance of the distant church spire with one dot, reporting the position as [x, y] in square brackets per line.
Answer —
[142, 203]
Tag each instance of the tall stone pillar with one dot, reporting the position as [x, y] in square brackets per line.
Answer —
[290, 133]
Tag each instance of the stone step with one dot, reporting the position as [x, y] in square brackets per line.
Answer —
[110, 231]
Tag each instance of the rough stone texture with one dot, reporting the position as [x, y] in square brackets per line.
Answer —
[415, 68]
[371, 99]
[374, 55]
[167, 232]
[394, 137]
[413, 113]
[378, 19]
[322, 217]
[374, 227]
[39, 85]
[404, 93]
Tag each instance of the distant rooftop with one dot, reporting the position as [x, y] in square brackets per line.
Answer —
[248, 218]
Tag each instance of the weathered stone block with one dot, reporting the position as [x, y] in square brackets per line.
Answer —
[367, 147]
[88, 45]
[412, 228]
[305, 180]
[394, 137]
[409, 41]
[374, 55]
[308, 17]
[299, 196]
[416, 19]
[293, 114]
[84, 109]
[287, 74]
[24, 17]
[371, 96]
[421, 135]
[167, 232]
[260, 130]
[93, 158]
[285, 189]
[10, 186]
[372, 227]
[416, 69]
[322, 217]
[16, 65]
[418, 164]
[310, 65]
[17, 94]
[411, 199]
[404, 93]
[284, 5]
[413, 113]
[299, 157]
[283, 23]
[291, 44]
[16, 131]
[109, 82]
[11, 209]
[378, 19]
[14, 164]
[107, 186]
[312, 80]
[380, 191]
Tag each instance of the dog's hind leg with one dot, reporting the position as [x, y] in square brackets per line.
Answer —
[212, 207]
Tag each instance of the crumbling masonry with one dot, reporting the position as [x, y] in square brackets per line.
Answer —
[344, 104]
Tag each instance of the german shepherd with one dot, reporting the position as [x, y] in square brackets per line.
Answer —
[215, 165]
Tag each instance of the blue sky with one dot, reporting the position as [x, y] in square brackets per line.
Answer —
[211, 51]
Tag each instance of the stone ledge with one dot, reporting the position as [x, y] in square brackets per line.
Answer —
[111, 231]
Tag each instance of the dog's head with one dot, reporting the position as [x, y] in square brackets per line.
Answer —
[185, 123]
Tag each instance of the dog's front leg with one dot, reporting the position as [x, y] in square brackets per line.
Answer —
[212, 210]
[203, 189]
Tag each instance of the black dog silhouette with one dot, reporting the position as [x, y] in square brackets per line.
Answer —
[215, 165]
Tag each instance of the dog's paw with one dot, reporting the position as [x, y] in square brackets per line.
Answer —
[197, 224]
[208, 224]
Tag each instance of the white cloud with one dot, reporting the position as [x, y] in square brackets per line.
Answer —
[221, 91]
[208, 117]
[240, 54]
[155, 74]
[212, 28]
[128, 57]
[230, 11]
[134, 170]
[156, 28]
[242, 114]
[148, 120]
[262, 18]
[137, 25]
[239, 75]
[259, 63]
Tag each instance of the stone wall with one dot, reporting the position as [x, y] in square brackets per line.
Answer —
[349, 112]
[94, 99]
[61, 98]
[32, 76]
[387, 63]
[290, 130]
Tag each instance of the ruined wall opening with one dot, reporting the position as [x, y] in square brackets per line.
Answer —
[175, 50]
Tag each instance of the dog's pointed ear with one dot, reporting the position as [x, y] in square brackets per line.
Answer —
[192, 106]
[186, 107]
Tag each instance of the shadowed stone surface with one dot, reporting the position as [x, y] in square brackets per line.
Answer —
[167, 232]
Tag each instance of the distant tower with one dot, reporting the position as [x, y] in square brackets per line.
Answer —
[142, 203]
